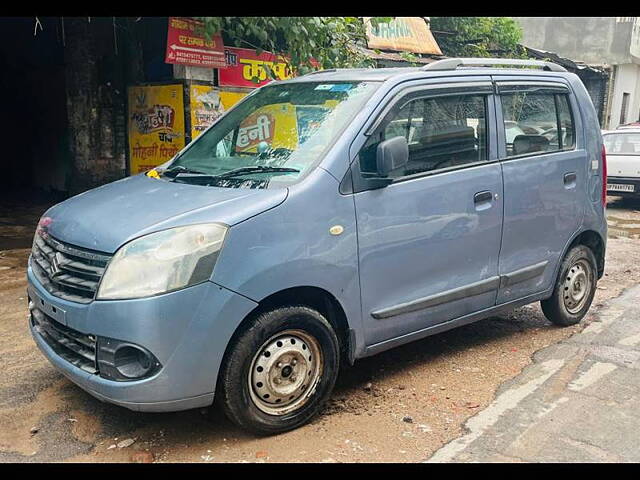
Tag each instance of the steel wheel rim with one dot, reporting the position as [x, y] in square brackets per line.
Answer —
[285, 372]
[576, 286]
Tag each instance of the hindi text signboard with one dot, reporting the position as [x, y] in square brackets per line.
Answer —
[155, 124]
[274, 124]
[246, 69]
[187, 45]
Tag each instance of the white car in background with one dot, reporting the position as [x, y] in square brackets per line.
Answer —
[629, 125]
[623, 161]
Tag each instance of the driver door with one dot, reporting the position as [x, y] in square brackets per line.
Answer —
[429, 241]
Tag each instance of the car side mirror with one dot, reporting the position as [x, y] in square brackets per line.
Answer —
[391, 155]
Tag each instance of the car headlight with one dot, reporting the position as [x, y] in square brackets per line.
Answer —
[163, 261]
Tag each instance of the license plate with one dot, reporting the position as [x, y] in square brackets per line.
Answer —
[52, 311]
[616, 187]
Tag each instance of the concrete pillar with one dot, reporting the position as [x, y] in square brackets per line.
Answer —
[185, 72]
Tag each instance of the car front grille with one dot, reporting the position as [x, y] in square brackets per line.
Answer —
[67, 272]
[75, 347]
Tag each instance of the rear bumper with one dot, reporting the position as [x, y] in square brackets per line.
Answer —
[187, 331]
[635, 182]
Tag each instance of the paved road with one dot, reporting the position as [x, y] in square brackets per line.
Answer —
[399, 406]
[577, 402]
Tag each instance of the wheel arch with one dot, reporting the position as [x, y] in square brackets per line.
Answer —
[314, 297]
[593, 240]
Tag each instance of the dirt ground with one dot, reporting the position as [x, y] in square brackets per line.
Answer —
[399, 406]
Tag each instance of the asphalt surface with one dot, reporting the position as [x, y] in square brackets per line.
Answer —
[403, 405]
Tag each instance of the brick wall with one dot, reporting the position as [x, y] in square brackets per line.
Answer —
[98, 66]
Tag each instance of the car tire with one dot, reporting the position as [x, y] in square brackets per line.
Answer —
[574, 288]
[279, 372]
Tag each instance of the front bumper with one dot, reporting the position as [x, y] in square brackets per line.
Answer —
[187, 331]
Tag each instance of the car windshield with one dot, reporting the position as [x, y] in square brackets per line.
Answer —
[273, 138]
[622, 143]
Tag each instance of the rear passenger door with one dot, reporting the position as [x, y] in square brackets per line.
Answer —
[544, 168]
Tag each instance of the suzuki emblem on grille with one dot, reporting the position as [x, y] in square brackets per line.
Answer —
[55, 264]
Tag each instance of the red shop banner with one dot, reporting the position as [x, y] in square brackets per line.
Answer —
[188, 45]
[243, 66]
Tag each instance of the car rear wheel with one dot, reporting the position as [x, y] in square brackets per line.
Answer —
[574, 288]
[280, 371]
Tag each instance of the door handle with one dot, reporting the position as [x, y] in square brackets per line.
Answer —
[482, 197]
[570, 179]
[483, 200]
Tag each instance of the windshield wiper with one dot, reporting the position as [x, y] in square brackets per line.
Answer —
[175, 171]
[256, 169]
[185, 175]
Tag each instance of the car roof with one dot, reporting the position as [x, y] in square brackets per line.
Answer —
[384, 74]
[355, 74]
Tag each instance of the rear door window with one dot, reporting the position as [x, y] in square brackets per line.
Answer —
[537, 121]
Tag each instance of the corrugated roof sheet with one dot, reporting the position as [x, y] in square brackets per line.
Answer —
[565, 62]
[395, 57]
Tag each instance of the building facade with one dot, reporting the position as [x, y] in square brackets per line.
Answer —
[610, 42]
[78, 89]
[90, 100]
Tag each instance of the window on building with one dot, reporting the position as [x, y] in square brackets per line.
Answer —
[537, 122]
[624, 109]
[442, 132]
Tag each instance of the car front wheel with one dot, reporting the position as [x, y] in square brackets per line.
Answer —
[280, 371]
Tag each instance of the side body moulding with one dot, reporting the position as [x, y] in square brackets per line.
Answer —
[473, 289]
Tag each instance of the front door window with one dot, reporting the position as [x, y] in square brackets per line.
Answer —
[442, 132]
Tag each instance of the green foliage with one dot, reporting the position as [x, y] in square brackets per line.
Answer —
[328, 40]
[479, 36]
[411, 58]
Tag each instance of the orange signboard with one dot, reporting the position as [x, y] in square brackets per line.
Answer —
[402, 34]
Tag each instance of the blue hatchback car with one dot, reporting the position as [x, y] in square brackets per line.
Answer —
[321, 220]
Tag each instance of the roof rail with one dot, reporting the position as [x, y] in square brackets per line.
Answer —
[453, 63]
[320, 71]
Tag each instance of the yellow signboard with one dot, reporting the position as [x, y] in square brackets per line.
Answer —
[229, 99]
[402, 34]
[282, 126]
[207, 104]
[206, 107]
[275, 124]
[155, 125]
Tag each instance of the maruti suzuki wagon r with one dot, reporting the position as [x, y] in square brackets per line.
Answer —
[321, 220]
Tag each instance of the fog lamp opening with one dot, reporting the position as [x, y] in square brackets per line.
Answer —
[132, 362]
[124, 361]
